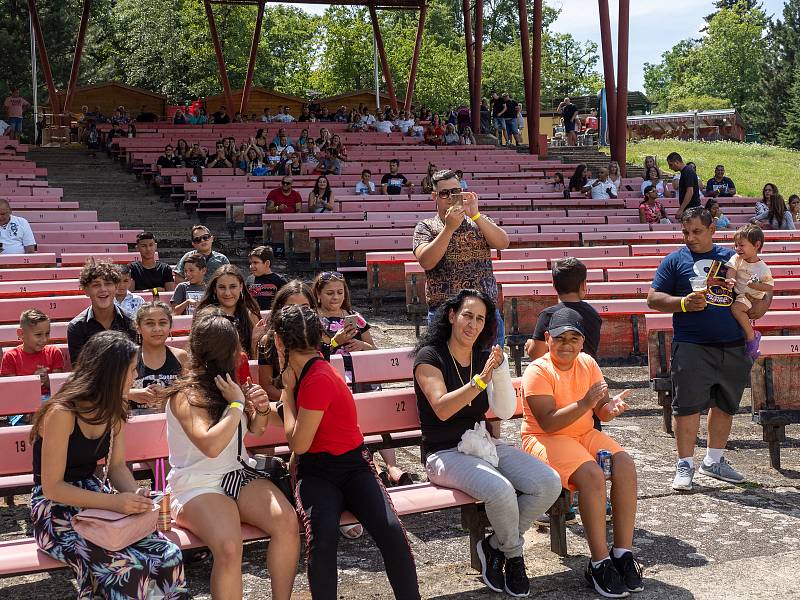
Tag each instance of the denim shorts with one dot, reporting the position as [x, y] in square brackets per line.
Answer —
[16, 124]
[512, 127]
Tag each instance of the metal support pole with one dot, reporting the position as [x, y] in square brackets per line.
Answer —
[48, 75]
[476, 99]
[76, 59]
[527, 74]
[608, 75]
[251, 64]
[469, 46]
[387, 74]
[622, 83]
[376, 72]
[534, 116]
[34, 80]
[412, 75]
[223, 70]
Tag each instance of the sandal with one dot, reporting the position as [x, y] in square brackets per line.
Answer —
[352, 532]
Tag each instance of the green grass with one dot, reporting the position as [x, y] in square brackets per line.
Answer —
[749, 165]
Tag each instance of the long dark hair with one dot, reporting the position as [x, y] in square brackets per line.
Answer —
[326, 196]
[266, 347]
[299, 329]
[213, 350]
[96, 383]
[777, 210]
[577, 180]
[245, 306]
[440, 328]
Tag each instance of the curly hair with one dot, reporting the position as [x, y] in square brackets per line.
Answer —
[440, 329]
[99, 269]
[299, 329]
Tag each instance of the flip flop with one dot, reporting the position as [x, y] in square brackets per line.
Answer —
[352, 532]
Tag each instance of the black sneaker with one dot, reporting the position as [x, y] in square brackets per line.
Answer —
[630, 571]
[492, 562]
[606, 580]
[517, 583]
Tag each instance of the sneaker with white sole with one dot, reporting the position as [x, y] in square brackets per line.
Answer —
[684, 473]
[606, 580]
[517, 582]
[630, 570]
[722, 471]
[492, 563]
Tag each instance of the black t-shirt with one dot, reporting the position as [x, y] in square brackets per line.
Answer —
[511, 109]
[168, 163]
[497, 106]
[442, 435]
[264, 287]
[689, 179]
[147, 279]
[218, 118]
[568, 112]
[394, 183]
[591, 324]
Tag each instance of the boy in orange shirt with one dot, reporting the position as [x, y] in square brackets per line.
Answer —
[562, 390]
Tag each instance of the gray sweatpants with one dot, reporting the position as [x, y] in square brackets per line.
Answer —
[510, 514]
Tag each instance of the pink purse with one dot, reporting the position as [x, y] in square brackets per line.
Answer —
[112, 530]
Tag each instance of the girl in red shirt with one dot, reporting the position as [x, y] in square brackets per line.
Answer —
[334, 469]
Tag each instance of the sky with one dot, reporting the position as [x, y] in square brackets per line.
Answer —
[655, 26]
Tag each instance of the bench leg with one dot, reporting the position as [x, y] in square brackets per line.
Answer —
[774, 435]
[516, 355]
[558, 526]
[473, 519]
[665, 400]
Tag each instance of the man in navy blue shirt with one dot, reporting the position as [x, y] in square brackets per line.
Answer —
[710, 368]
[720, 186]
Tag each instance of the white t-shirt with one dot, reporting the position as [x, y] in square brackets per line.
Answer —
[283, 118]
[363, 188]
[659, 187]
[404, 124]
[266, 119]
[367, 119]
[288, 147]
[15, 235]
[746, 272]
[599, 191]
[383, 126]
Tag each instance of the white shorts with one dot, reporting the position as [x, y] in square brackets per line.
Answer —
[187, 486]
[743, 299]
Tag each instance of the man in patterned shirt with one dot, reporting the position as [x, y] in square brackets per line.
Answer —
[455, 246]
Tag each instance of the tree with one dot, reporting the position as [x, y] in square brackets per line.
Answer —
[728, 4]
[789, 133]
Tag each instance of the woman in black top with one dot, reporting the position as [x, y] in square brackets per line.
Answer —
[82, 424]
[579, 178]
[454, 363]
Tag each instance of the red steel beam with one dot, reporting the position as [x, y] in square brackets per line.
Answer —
[469, 47]
[476, 99]
[387, 74]
[223, 70]
[48, 74]
[534, 116]
[527, 73]
[608, 75]
[412, 75]
[251, 64]
[622, 83]
[76, 59]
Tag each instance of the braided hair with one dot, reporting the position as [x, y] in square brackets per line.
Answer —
[299, 329]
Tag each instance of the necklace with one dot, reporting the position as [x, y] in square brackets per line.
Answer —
[458, 368]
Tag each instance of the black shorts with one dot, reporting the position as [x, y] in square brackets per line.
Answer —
[708, 376]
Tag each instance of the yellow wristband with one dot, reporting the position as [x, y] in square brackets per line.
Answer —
[479, 382]
[683, 304]
[476, 217]
[238, 405]
[333, 343]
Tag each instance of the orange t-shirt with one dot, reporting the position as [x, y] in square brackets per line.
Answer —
[542, 378]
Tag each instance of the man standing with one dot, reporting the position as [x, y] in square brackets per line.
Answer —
[710, 368]
[147, 272]
[202, 242]
[498, 114]
[15, 106]
[16, 235]
[688, 187]
[720, 186]
[510, 118]
[393, 181]
[455, 246]
[569, 112]
[601, 188]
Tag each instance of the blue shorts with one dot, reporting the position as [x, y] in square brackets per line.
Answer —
[512, 128]
[500, 123]
[500, 340]
[569, 127]
[16, 124]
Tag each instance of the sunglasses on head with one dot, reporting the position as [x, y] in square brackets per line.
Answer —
[201, 238]
[446, 194]
[328, 275]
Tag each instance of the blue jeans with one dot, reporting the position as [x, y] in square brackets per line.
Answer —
[500, 340]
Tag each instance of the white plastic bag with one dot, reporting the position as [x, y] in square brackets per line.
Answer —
[502, 398]
[478, 442]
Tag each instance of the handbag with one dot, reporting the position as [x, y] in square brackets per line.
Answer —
[112, 530]
[274, 469]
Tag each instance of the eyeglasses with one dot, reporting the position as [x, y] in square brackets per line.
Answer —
[201, 238]
[445, 194]
[329, 275]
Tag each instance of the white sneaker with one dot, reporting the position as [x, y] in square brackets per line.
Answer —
[683, 476]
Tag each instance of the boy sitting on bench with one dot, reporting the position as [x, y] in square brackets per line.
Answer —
[562, 389]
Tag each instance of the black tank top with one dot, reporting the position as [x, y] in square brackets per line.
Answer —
[82, 455]
[165, 375]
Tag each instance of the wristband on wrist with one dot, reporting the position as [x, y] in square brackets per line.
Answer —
[683, 304]
[479, 382]
[333, 343]
[476, 216]
[237, 404]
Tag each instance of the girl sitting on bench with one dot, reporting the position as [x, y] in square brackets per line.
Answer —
[80, 425]
[335, 472]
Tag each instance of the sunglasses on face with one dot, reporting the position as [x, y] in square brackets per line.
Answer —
[447, 194]
[201, 238]
[286, 183]
[329, 275]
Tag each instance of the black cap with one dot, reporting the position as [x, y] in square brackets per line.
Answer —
[563, 320]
